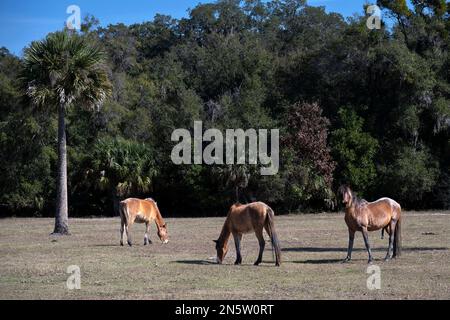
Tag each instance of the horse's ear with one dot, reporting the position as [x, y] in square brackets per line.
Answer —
[215, 241]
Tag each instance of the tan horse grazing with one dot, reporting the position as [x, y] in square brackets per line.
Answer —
[243, 219]
[364, 216]
[141, 211]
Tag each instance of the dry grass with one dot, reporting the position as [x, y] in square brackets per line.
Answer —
[33, 264]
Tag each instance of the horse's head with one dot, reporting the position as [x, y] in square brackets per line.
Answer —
[346, 194]
[163, 234]
[222, 250]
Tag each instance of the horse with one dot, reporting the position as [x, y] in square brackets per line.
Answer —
[141, 211]
[360, 215]
[243, 219]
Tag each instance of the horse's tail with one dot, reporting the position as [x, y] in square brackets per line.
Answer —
[398, 236]
[273, 235]
[123, 211]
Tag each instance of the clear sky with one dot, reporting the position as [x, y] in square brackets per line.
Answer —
[22, 21]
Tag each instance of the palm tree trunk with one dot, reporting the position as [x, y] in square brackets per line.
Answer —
[62, 217]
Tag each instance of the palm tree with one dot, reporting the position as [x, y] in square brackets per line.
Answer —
[236, 176]
[61, 71]
[122, 167]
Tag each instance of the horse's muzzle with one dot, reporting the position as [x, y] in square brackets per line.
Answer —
[165, 241]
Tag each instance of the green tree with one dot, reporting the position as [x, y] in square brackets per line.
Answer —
[354, 150]
[243, 64]
[62, 71]
[412, 174]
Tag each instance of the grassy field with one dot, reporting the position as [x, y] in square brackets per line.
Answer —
[33, 264]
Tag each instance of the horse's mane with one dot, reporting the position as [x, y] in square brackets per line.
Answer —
[153, 201]
[237, 205]
[355, 199]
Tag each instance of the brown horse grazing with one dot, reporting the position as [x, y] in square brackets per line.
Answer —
[245, 219]
[364, 216]
[141, 211]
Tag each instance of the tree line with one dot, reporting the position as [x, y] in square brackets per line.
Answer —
[367, 108]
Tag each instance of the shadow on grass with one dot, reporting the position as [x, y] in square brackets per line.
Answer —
[264, 264]
[320, 261]
[196, 262]
[335, 261]
[104, 245]
[321, 249]
[112, 245]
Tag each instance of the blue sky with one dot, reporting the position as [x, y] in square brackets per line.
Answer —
[24, 21]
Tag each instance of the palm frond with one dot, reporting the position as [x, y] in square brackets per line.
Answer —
[65, 69]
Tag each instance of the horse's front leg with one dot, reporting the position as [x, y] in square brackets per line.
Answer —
[351, 238]
[366, 241]
[146, 238]
[237, 242]
[127, 229]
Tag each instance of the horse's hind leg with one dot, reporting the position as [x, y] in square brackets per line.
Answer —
[122, 230]
[266, 227]
[262, 243]
[385, 229]
[237, 242]
[391, 241]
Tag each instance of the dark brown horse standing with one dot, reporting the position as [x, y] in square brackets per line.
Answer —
[243, 219]
[364, 216]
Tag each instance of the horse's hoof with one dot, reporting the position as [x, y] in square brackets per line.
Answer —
[121, 244]
[346, 260]
[387, 259]
[256, 263]
[130, 244]
[370, 261]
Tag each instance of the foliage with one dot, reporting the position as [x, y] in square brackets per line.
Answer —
[122, 166]
[237, 64]
[64, 69]
[412, 174]
[355, 151]
[307, 138]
